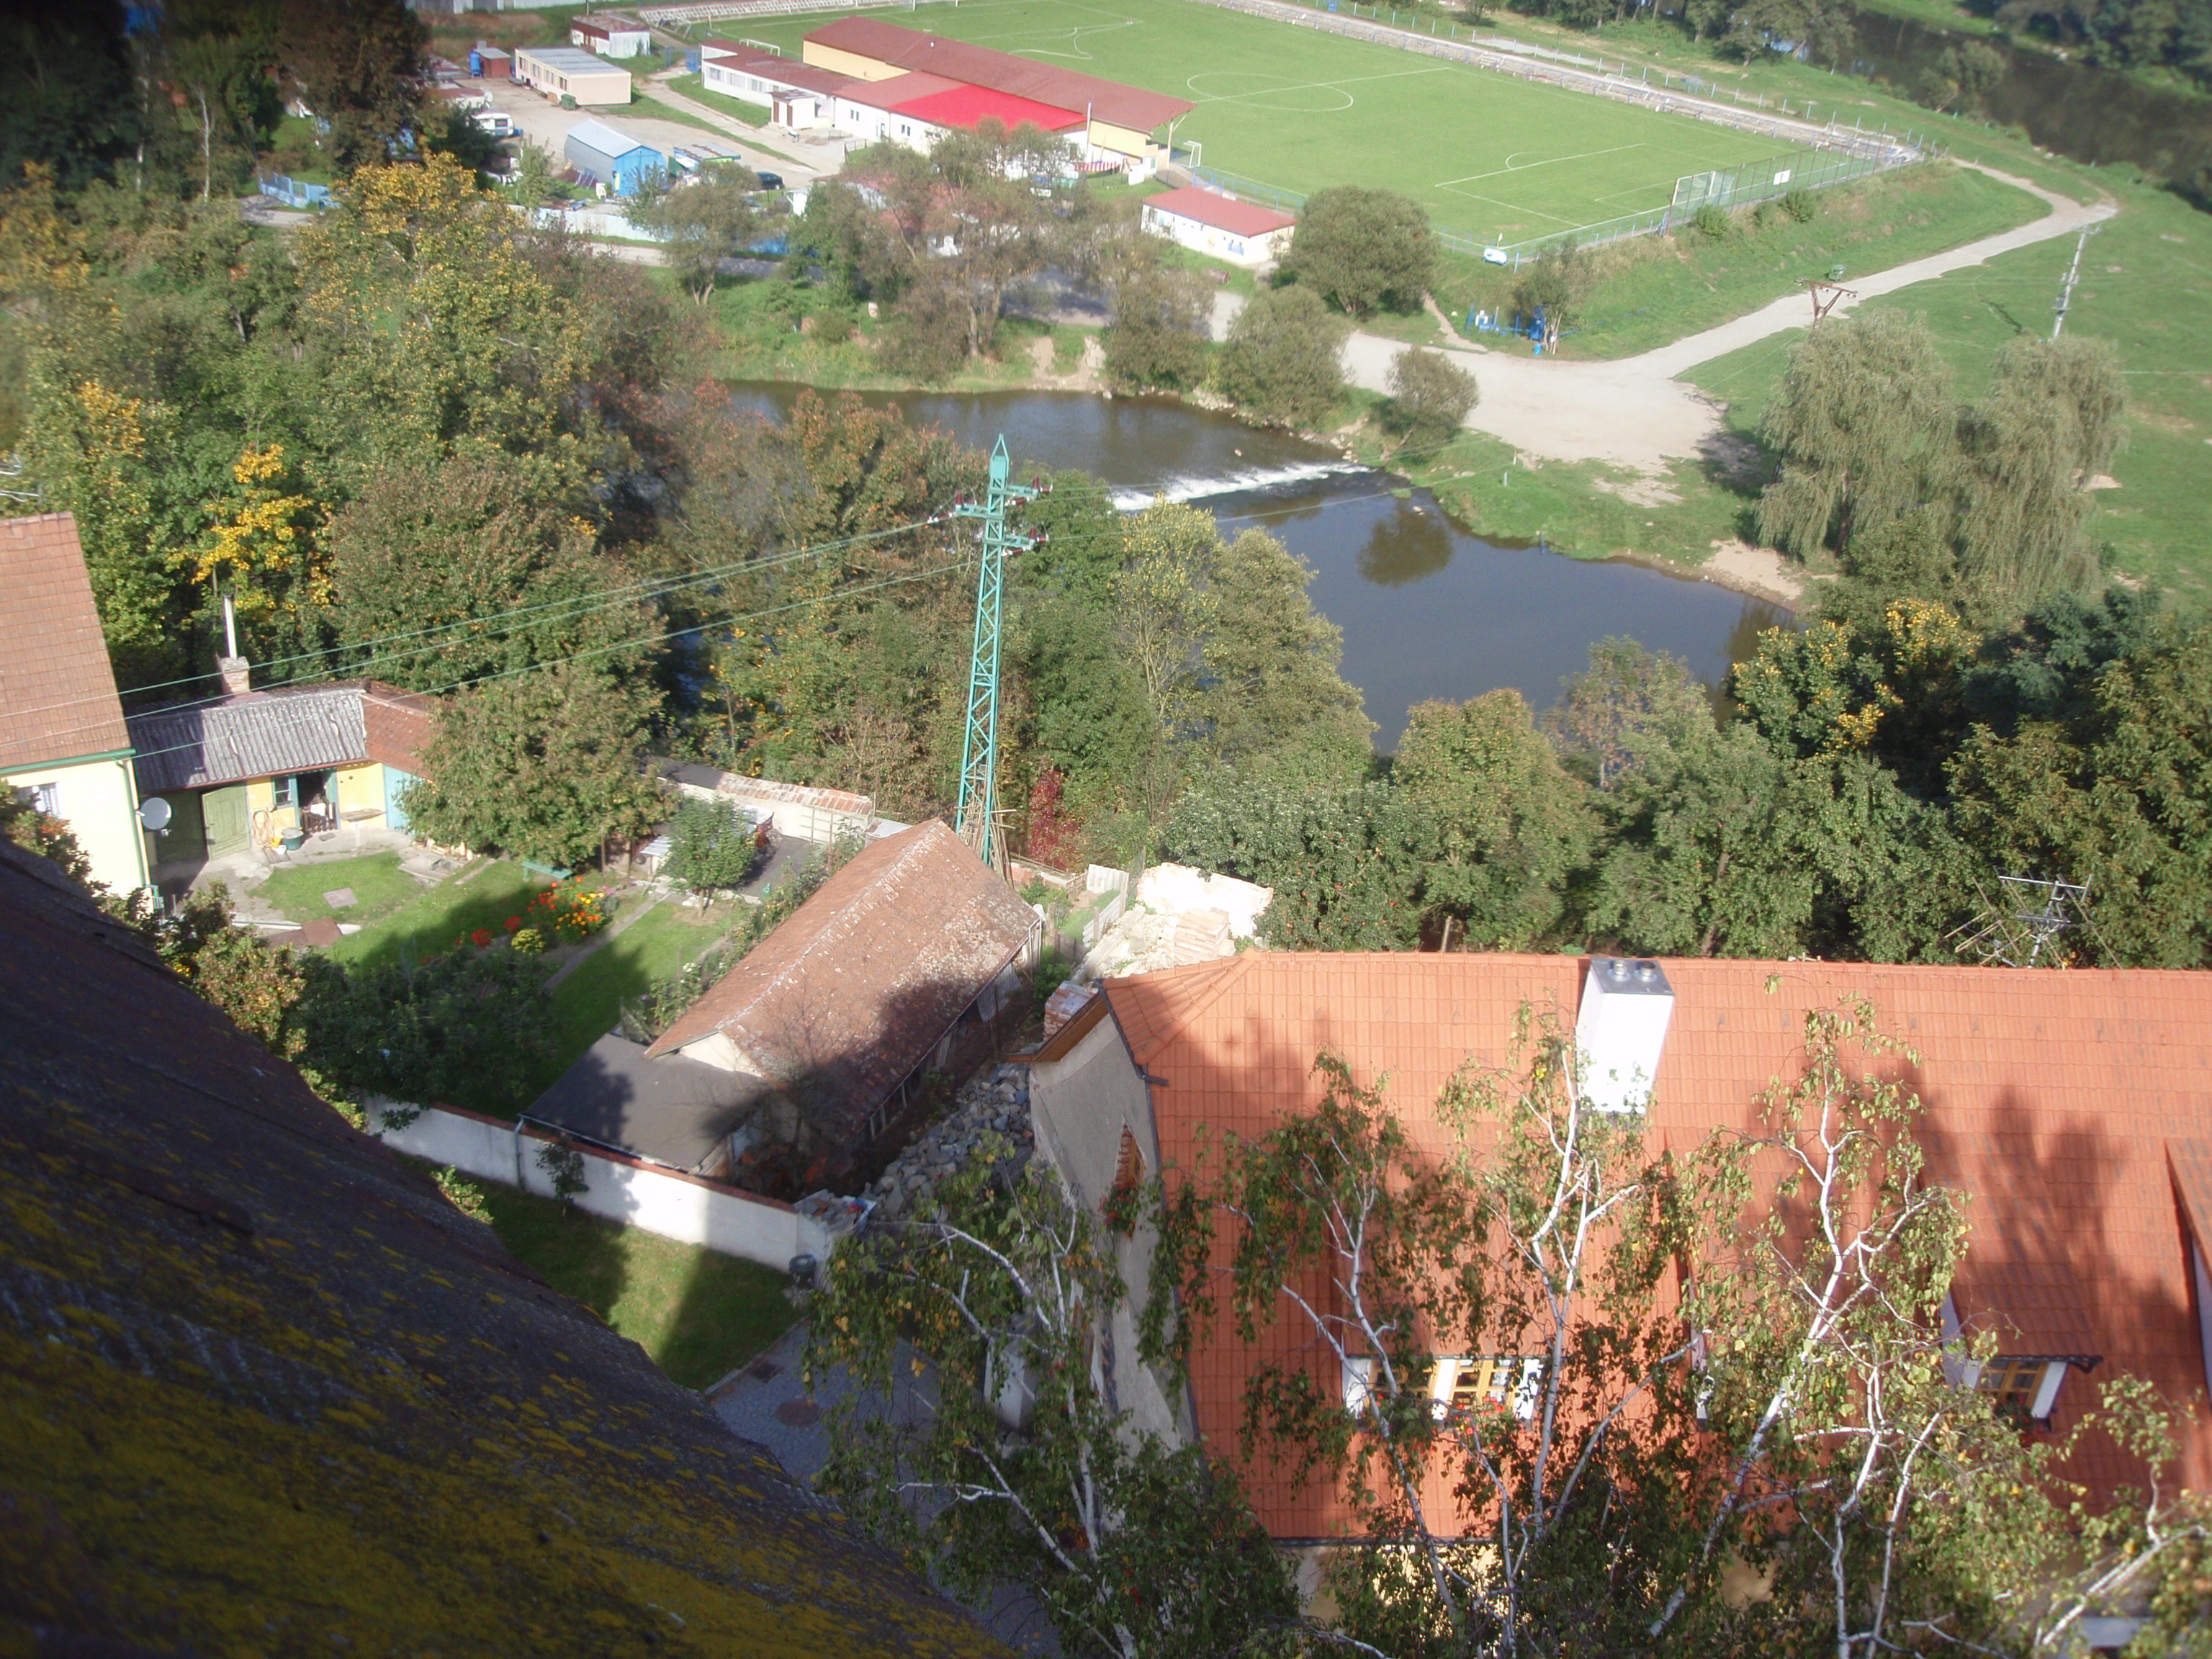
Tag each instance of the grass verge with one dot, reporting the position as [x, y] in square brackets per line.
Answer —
[380, 887]
[427, 923]
[588, 1002]
[700, 1314]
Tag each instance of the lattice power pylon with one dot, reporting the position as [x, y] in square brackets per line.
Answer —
[977, 822]
[2022, 930]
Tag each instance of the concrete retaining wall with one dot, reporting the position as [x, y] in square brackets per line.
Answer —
[638, 1195]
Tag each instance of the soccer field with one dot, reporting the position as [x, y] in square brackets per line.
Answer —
[1483, 152]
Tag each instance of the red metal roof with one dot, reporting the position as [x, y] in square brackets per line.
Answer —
[899, 89]
[981, 66]
[969, 107]
[1209, 206]
[2075, 1107]
[58, 698]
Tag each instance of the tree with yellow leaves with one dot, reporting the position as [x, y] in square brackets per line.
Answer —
[262, 546]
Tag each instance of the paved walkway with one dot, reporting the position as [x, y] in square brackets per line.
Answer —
[1633, 411]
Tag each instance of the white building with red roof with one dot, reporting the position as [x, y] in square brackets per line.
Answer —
[1218, 226]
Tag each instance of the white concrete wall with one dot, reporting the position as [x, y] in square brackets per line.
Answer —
[1173, 889]
[674, 1205]
[99, 801]
[1078, 1107]
[1251, 251]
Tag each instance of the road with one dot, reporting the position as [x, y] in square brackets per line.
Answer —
[1633, 411]
[546, 124]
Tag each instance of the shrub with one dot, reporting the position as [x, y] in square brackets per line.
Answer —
[1711, 220]
[527, 941]
[569, 911]
[711, 846]
[1430, 396]
[1801, 204]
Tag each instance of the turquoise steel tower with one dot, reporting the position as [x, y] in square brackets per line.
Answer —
[977, 823]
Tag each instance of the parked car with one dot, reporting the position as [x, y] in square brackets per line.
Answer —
[771, 181]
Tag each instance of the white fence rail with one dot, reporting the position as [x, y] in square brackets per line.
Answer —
[638, 1195]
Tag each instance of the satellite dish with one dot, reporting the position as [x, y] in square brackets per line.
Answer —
[154, 813]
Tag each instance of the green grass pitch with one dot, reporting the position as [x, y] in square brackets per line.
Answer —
[1483, 152]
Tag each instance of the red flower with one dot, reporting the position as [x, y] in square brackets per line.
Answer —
[513, 922]
[482, 937]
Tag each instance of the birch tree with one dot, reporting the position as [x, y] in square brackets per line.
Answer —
[985, 1435]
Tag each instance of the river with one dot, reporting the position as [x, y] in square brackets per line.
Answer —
[1427, 610]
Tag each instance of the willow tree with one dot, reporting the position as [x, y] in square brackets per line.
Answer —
[2049, 424]
[1866, 430]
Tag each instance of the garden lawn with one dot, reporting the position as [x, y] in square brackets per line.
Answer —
[380, 887]
[588, 1002]
[426, 925]
[699, 1314]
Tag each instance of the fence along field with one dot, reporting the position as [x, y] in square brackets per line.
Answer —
[1498, 160]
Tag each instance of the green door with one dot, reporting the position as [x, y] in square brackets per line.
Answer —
[186, 836]
[229, 827]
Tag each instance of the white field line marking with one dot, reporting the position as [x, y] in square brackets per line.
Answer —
[1191, 85]
[1511, 165]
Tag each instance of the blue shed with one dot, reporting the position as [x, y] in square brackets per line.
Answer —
[612, 158]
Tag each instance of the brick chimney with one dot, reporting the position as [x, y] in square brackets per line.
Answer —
[237, 673]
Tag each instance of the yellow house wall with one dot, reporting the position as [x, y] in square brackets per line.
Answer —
[359, 788]
[848, 62]
[100, 803]
[1123, 141]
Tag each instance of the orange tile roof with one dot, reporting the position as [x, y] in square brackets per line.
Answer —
[2075, 1107]
[57, 698]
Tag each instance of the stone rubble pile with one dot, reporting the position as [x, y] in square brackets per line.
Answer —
[994, 1102]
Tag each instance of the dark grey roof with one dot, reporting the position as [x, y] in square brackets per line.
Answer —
[670, 1110]
[263, 734]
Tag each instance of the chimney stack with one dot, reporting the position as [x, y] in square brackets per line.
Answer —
[1620, 1031]
[237, 673]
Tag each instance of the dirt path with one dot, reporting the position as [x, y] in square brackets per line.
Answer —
[1633, 411]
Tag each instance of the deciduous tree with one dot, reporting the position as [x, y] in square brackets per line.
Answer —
[1429, 397]
[1280, 361]
[1363, 249]
[543, 764]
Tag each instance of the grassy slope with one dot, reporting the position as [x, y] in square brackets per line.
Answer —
[1656, 290]
[699, 1315]
[693, 87]
[2147, 287]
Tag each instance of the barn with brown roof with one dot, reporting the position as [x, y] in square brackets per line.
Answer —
[63, 746]
[907, 961]
[2074, 1108]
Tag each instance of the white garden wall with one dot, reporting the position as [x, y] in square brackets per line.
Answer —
[638, 1195]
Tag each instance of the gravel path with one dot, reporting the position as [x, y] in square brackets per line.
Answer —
[1633, 411]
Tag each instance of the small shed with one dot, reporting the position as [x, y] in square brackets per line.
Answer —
[672, 1111]
[490, 62]
[1208, 221]
[558, 69]
[609, 36]
[612, 157]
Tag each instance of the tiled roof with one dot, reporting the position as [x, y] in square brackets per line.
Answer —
[898, 89]
[1211, 207]
[268, 1390]
[969, 107]
[266, 734]
[263, 734]
[981, 66]
[856, 986]
[57, 691]
[2074, 1107]
[670, 1110]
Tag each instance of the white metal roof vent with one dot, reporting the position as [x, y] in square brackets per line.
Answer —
[1621, 1031]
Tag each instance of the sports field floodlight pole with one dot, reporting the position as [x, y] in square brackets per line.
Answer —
[976, 821]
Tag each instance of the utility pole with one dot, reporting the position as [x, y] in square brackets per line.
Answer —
[976, 822]
[2073, 275]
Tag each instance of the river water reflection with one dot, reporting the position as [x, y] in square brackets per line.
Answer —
[1427, 610]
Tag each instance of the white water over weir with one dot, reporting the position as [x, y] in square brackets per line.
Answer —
[1198, 488]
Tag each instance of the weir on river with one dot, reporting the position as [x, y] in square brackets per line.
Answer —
[1427, 610]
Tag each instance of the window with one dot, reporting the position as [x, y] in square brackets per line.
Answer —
[1475, 1381]
[2029, 1387]
[45, 798]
